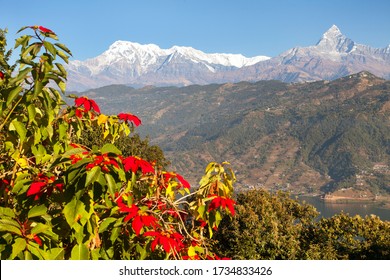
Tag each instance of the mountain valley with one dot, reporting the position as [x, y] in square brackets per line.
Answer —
[322, 137]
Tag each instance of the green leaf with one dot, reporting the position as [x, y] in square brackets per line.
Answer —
[12, 95]
[34, 249]
[62, 69]
[142, 251]
[23, 28]
[61, 85]
[36, 211]
[39, 152]
[37, 136]
[9, 225]
[23, 40]
[111, 184]
[201, 211]
[110, 148]
[73, 151]
[20, 183]
[38, 88]
[56, 254]
[40, 228]
[115, 233]
[27, 255]
[63, 129]
[49, 46]
[31, 113]
[74, 96]
[63, 47]
[20, 129]
[80, 252]
[92, 175]
[106, 222]
[19, 245]
[5, 211]
[218, 218]
[21, 75]
[74, 211]
[63, 56]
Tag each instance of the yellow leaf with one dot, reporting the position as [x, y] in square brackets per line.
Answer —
[102, 119]
[191, 251]
[22, 162]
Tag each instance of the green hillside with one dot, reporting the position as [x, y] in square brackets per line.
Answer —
[315, 137]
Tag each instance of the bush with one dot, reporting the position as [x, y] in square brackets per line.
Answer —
[64, 198]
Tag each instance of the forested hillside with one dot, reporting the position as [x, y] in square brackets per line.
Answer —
[306, 138]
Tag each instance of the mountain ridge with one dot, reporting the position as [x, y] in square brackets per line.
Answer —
[316, 137]
[333, 56]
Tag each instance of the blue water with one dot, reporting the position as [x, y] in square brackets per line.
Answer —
[327, 209]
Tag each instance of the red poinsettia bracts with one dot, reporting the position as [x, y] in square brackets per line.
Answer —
[4, 183]
[77, 157]
[42, 184]
[129, 117]
[87, 103]
[169, 175]
[183, 182]
[140, 218]
[135, 163]
[42, 29]
[103, 161]
[37, 239]
[220, 201]
[45, 30]
[169, 240]
[80, 112]
[25, 229]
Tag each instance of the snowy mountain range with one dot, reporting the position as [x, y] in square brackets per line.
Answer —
[138, 65]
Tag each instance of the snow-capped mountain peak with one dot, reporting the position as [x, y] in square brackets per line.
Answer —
[334, 41]
[137, 64]
[129, 59]
[124, 47]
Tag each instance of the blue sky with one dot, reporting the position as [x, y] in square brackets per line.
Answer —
[249, 27]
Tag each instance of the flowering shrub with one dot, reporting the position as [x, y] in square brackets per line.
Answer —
[62, 200]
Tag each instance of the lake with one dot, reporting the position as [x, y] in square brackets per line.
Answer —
[327, 209]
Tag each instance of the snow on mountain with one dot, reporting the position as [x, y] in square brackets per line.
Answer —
[334, 41]
[135, 64]
[127, 62]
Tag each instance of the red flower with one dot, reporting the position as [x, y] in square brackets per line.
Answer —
[5, 183]
[79, 112]
[45, 30]
[37, 239]
[169, 240]
[103, 161]
[140, 218]
[135, 163]
[87, 103]
[220, 201]
[75, 158]
[1, 75]
[43, 184]
[182, 181]
[42, 29]
[129, 117]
